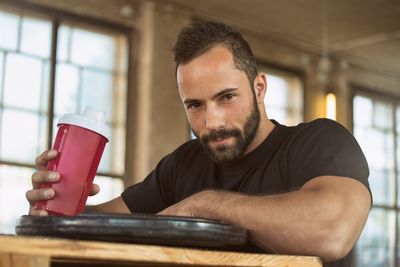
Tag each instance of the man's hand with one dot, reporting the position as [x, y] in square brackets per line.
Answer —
[196, 205]
[42, 175]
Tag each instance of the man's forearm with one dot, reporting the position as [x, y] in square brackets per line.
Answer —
[323, 222]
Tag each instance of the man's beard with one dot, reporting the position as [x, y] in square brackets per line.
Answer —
[224, 154]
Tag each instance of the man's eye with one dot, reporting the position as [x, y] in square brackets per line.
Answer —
[229, 96]
[193, 106]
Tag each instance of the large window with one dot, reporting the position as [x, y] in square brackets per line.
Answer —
[50, 67]
[377, 128]
[284, 98]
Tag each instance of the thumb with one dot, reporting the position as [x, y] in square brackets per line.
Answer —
[94, 190]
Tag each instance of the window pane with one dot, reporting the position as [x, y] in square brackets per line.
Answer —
[374, 146]
[278, 114]
[1, 73]
[105, 162]
[113, 158]
[375, 247]
[19, 136]
[398, 233]
[23, 81]
[55, 128]
[378, 149]
[284, 97]
[36, 37]
[97, 91]
[92, 49]
[362, 110]
[109, 188]
[382, 186]
[383, 115]
[44, 96]
[398, 119]
[277, 93]
[14, 182]
[8, 30]
[43, 134]
[398, 159]
[63, 43]
[66, 95]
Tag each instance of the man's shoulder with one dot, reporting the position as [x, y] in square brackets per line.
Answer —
[320, 128]
[322, 131]
[319, 123]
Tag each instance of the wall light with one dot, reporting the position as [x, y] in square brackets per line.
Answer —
[330, 104]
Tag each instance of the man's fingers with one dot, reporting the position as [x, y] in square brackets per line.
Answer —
[94, 190]
[40, 177]
[44, 158]
[35, 195]
[34, 212]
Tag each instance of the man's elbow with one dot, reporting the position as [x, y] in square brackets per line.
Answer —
[334, 251]
[340, 238]
[346, 220]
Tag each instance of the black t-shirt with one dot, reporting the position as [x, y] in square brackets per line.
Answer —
[283, 162]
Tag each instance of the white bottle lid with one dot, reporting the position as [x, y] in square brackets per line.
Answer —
[91, 119]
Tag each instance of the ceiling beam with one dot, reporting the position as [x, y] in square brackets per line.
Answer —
[363, 41]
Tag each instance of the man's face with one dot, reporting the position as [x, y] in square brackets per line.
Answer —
[220, 104]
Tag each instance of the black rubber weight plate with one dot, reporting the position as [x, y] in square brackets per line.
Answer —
[137, 228]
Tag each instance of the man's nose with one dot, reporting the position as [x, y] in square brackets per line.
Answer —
[215, 119]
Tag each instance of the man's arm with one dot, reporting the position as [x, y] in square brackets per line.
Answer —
[324, 218]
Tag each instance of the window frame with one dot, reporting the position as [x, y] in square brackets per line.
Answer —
[55, 17]
[394, 102]
[278, 69]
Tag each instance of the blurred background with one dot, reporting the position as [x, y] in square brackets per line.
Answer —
[336, 59]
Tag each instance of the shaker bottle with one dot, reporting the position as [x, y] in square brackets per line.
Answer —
[80, 143]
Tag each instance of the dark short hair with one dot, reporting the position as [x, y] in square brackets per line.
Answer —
[200, 37]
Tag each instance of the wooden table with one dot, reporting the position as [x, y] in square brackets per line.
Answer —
[45, 252]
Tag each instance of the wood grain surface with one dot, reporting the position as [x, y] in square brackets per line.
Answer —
[36, 251]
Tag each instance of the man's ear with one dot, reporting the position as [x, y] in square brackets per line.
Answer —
[260, 87]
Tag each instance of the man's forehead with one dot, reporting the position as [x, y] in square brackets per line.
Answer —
[212, 58]
[217, 60]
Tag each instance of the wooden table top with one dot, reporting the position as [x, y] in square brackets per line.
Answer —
[53, 248]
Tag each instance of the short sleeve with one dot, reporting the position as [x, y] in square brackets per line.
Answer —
[324, 147]
[153, 194]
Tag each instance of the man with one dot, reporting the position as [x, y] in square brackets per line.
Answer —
[298, 190]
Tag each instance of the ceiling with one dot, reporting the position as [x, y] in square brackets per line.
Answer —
[364, 32]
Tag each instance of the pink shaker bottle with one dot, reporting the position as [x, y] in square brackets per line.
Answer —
[80, 142]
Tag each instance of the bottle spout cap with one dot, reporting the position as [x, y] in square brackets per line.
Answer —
[91, 118]
[94, 114]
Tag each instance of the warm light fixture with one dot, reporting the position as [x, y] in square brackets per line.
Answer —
[324, 67]
[330, 104]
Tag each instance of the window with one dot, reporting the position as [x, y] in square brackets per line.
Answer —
[90, 68]
[377, 128]
[284, 98]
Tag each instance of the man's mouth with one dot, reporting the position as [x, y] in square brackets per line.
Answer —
[220, 141]
[220, 138]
